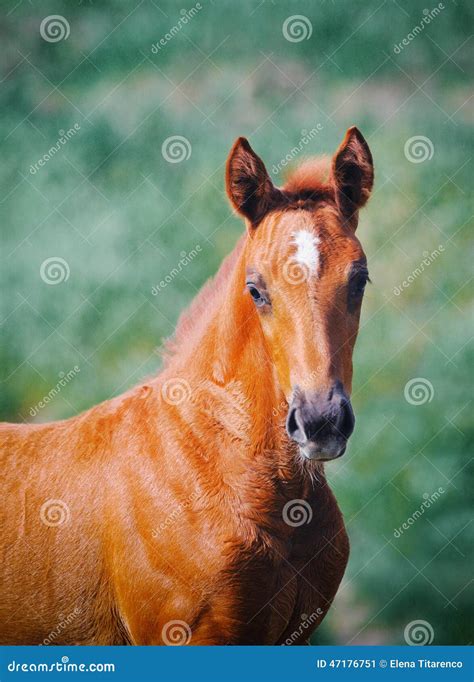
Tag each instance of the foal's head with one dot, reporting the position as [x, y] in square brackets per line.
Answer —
[306, 273]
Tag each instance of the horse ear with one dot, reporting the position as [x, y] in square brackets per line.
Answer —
[248, 185]
[352, 174]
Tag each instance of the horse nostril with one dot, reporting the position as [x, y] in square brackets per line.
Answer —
[293, 428]
[347, 419]
[291, 425]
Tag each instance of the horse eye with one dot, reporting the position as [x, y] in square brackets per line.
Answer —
[357, 286]
[255, 294]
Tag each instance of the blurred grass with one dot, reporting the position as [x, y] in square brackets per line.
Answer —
[120, 215]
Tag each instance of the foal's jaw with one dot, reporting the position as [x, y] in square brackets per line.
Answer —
[313, 452]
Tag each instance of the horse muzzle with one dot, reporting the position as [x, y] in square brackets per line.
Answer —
[321, 422]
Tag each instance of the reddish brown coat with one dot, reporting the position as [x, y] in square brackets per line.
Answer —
[167, 503]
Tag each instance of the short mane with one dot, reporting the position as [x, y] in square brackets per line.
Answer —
[195, 312]
[312, 175]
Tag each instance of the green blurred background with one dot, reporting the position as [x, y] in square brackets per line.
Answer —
[121, 215]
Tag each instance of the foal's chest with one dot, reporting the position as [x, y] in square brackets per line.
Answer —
[262, 588]
[278, 584]
[271, 596]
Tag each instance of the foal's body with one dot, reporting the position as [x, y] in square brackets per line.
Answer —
[173, 501]
[164, 525]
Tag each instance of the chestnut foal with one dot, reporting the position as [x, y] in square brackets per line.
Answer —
[194, 508]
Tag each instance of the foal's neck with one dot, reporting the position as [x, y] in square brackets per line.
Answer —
[228, 351]
[225, 344]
